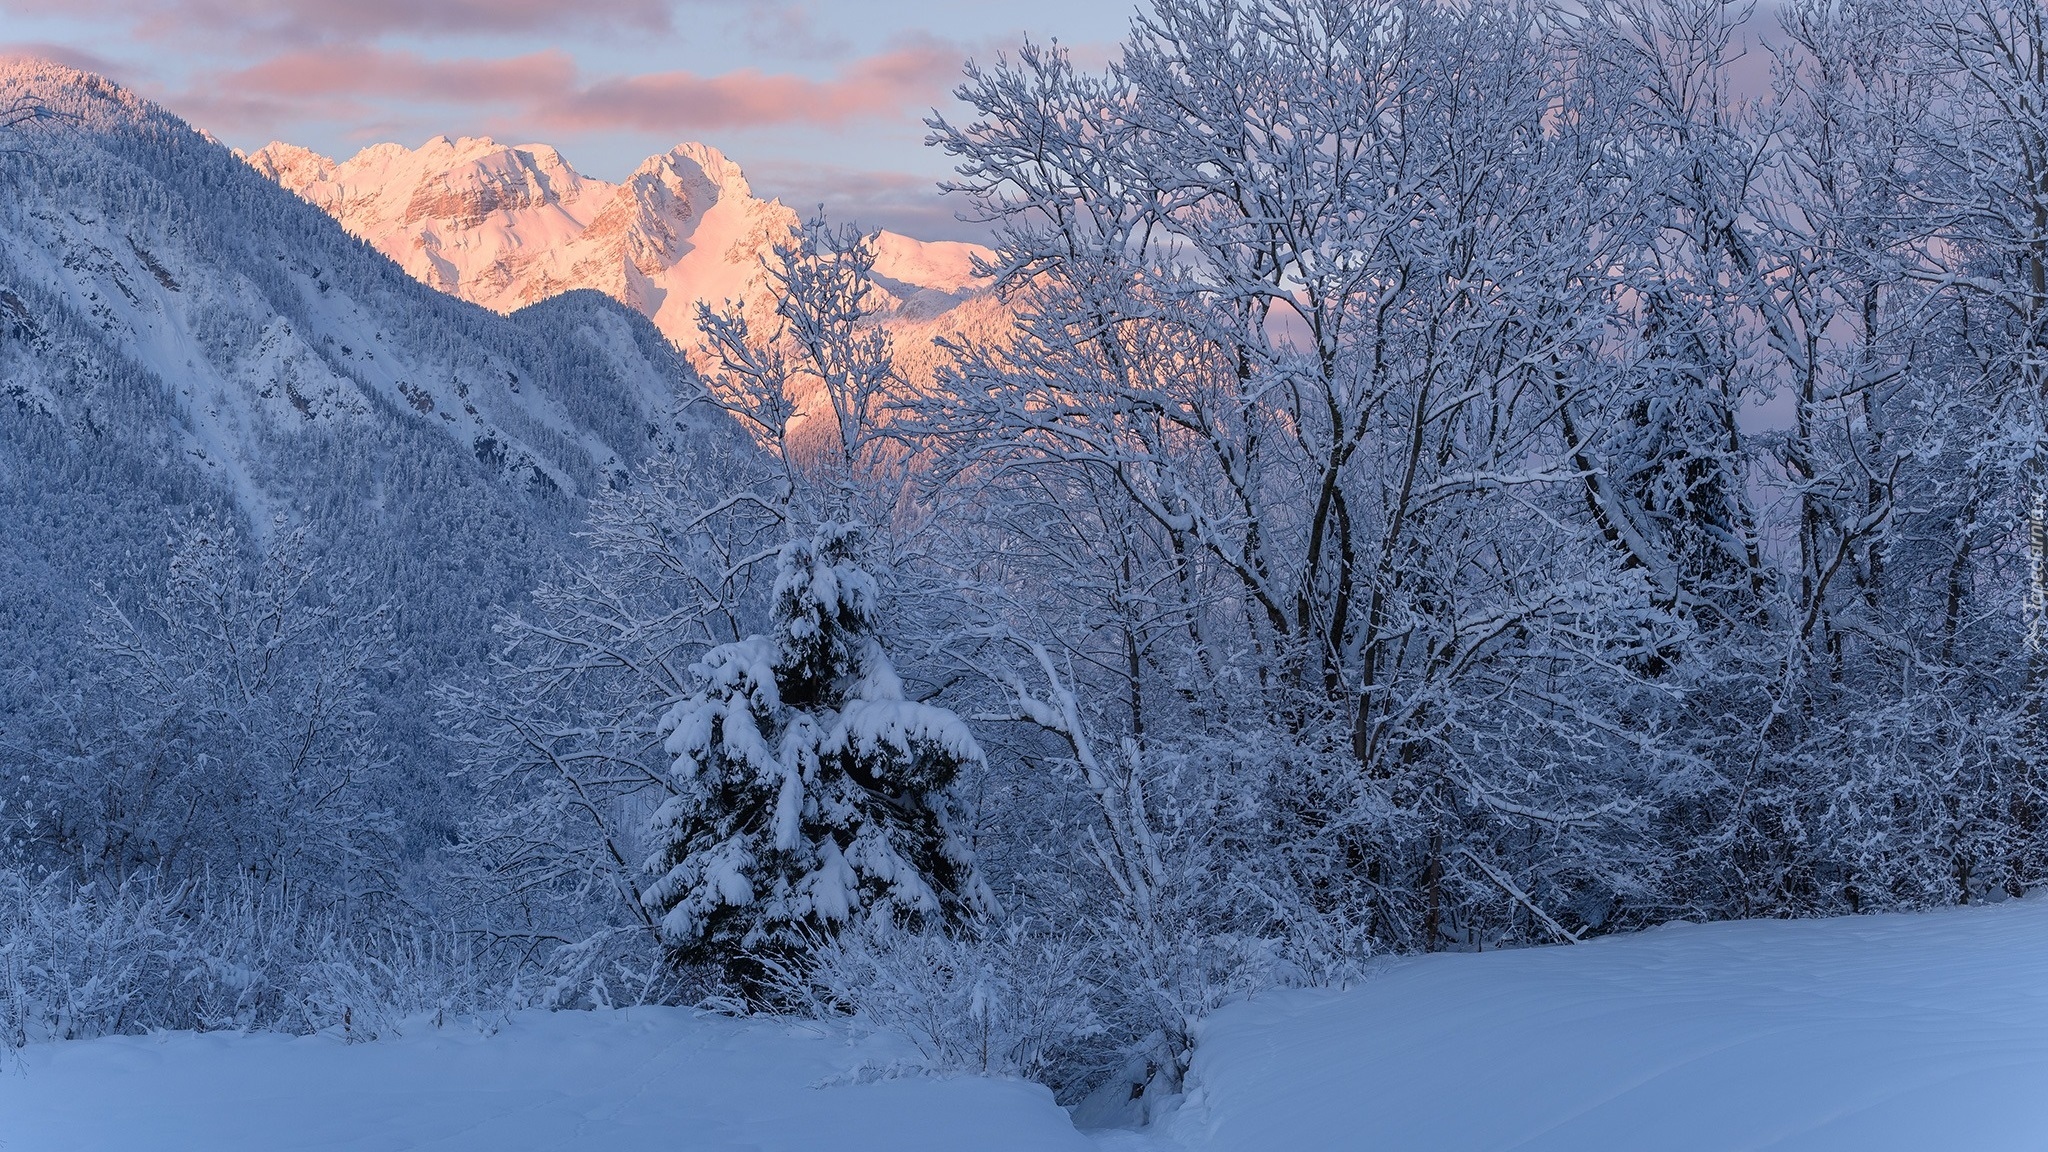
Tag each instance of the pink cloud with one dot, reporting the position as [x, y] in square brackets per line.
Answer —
[318, 21]
[545, 89]
[373, 73]
[874, 85]
[59, 53]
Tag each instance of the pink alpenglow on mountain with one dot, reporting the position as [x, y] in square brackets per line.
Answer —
[506, 226]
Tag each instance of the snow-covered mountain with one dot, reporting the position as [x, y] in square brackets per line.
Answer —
[180, 337]
[263, 321]
[507, 226]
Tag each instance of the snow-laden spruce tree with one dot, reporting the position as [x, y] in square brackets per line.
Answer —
[809, 793]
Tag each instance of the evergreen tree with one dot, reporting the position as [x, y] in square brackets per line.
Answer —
[809, 793]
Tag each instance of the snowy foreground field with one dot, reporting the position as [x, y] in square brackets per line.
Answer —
[1895, 1032]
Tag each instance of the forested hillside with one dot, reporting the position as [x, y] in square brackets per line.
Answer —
[183, 343]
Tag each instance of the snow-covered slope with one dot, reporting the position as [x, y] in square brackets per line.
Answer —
[624, 1081]
[506, 226]
[1868, 1034]
[1861, 1034]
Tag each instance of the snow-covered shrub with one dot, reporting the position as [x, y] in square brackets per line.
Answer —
[76, 962]
[995, 999]
[809, 793]
[1196, 902]
[99, 958]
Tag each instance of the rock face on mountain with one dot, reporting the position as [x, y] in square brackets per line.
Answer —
[507, 226]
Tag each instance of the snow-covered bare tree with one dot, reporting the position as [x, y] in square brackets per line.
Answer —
[22, 112]
[816, 389]
[1985, 169]
[559, 741]
[1908, 369]
[1849, 728]
[1309, 335]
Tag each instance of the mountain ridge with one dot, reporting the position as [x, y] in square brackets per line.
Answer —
[505, 226]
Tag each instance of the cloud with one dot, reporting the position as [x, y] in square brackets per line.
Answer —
[789, 30]
[328, 21]
[874, 85]
[373, 73]
[899, 201]
[63, 54]
[545, 89]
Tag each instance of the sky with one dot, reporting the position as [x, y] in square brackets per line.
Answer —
[820, 101]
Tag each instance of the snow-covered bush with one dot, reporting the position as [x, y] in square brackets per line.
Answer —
[100, 958]
[809, 793]
[1190, 896]
[988, 998]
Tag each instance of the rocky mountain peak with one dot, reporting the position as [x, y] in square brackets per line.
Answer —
[290, 164]
[505, 226]
[713, 166]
